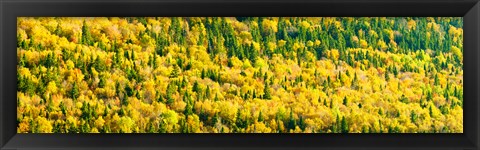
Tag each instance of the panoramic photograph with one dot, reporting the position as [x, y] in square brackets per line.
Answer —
[239, 75]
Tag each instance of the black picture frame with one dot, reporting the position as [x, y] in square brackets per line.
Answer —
[11, 9]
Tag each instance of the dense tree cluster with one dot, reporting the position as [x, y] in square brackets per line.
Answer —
[240, 75]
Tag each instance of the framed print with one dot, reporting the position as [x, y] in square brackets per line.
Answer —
[239, 74]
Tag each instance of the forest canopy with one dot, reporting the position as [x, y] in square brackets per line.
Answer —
[240, 75]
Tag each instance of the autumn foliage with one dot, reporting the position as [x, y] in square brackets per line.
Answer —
[240, 75]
